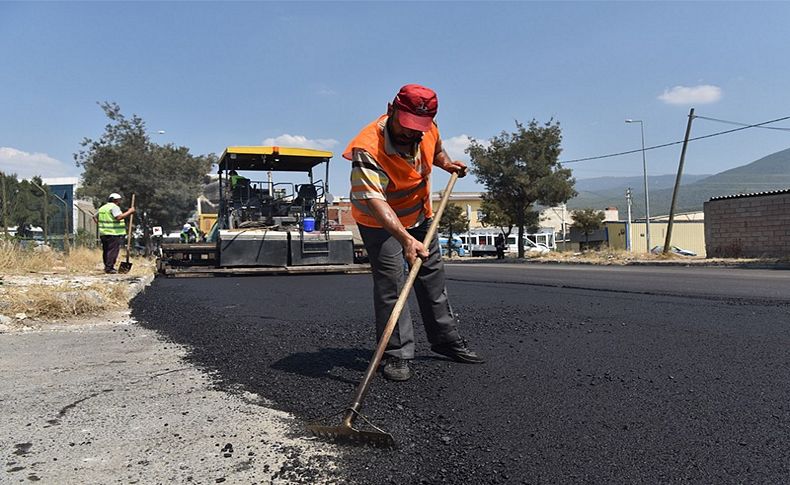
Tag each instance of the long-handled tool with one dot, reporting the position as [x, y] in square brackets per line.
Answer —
[377, 437]
[125, 267]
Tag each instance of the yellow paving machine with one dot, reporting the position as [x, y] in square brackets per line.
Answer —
[264, 225]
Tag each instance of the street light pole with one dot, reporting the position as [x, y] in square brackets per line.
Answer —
[644, 171]
[629, 236]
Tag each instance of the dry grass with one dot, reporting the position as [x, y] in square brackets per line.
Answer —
[14, 259]
[17, 260]
[40, 301]
[613, 256]
[50, 285]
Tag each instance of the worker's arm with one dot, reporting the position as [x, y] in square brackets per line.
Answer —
[124, 215]
[442, 160]
[412, 248]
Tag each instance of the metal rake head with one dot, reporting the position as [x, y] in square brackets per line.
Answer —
[346, 434]
[351, 436]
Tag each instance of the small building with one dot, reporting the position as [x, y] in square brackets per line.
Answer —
[751, 225]
[470, 202]
[78, 213]
[686, 234]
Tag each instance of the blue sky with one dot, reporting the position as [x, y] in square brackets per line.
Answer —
[217, 74]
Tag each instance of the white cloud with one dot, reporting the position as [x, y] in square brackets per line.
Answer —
[26, 165]
[299, 141]
[702, 94]
[456, 145]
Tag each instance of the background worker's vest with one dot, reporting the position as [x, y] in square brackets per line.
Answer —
[235, 179]
[408, 192]
[108, 225]
[189, 236]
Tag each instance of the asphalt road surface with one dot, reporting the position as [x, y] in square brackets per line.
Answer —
[594, 374]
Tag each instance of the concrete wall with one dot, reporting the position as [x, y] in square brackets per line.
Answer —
[685, 234]
[748, 227]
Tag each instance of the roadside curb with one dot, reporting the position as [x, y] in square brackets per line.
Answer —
[780, 265]
[138, 285]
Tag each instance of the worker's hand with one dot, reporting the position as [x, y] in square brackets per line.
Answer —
[455, 166]
[413, 249]
[132, 210]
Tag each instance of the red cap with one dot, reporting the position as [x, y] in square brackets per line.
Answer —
[417, 106]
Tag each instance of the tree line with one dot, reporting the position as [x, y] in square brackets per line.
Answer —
[166, 179]
[25, 204]
[519, 170]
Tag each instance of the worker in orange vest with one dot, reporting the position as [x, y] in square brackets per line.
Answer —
[392, 159]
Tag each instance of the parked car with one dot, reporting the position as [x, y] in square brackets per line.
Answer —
[674, 249]
[535, 248]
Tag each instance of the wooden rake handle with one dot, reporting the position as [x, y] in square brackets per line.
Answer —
[129, 232]
[362, 389]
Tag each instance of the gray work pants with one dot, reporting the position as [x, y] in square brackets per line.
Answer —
[387, 264]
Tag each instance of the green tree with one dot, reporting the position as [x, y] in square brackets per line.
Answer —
[453, 221]
[493, 215]
[587, 221]
[521, 169]
[166, 179]
[23, 204]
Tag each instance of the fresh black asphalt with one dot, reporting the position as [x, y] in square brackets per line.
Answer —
[637, 375]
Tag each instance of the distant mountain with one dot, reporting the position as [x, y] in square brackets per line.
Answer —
[619, 184]
[603, 192]
[768, 173]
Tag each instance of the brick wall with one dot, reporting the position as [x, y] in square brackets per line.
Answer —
[748, 227]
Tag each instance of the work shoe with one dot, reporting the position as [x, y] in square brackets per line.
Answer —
[111, 271]
[458, 351]
[397, 369]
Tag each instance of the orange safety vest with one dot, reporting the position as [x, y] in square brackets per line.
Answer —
[408, 192]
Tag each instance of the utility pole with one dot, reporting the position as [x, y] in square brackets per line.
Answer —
[5, 207]
[629, 240]
[564, 243]
[469, 228]
[644, 172]
[668, 240]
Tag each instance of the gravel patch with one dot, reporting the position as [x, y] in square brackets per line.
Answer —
[110, 402]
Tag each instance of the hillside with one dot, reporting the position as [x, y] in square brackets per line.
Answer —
[771, 172]
[619, 184]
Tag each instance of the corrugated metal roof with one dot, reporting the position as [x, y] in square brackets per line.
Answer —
[753, 194]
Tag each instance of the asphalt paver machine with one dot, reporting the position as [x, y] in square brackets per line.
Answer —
[266, 225]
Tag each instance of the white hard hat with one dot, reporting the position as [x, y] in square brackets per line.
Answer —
[186, 227]
[114, 196]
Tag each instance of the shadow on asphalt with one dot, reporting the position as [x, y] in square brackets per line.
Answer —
[321, 364]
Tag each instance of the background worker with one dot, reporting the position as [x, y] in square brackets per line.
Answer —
[392, 159]
[189, 234]
[112, 230]
[499, 244]
[236, 179]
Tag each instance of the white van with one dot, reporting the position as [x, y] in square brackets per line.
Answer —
[481, 242]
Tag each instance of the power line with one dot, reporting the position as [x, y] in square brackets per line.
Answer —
[743, 124]
[654, 147]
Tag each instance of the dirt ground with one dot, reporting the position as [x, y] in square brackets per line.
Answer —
[102, 400]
